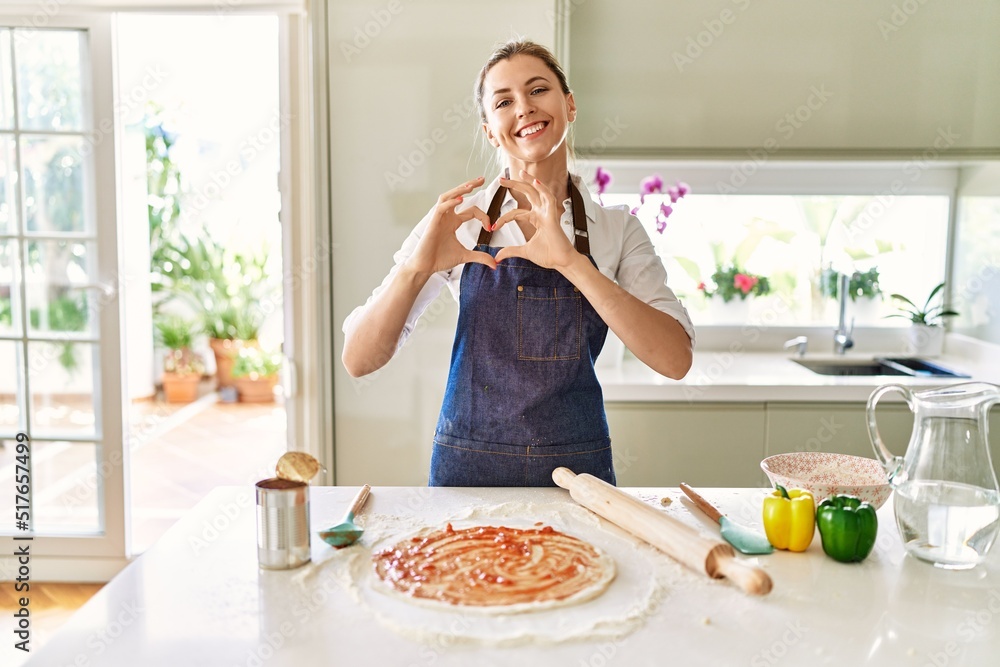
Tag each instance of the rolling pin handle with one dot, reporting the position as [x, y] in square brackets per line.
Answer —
[752, 580]
[563, 477]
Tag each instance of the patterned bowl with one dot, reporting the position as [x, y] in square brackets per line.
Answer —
[826, 474]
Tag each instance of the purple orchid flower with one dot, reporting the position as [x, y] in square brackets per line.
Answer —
[603, 180]
[650, 185]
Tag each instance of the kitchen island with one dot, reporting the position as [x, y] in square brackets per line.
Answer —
[198, 598]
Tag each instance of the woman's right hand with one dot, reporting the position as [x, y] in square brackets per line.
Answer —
[439, 249]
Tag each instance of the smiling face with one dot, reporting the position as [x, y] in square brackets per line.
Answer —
[527, 113]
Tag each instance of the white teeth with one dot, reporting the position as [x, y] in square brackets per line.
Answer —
[531, 129]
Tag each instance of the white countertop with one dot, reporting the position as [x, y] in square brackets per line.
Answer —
[751, 375]
[198, 598]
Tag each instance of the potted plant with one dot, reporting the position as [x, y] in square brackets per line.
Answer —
[926, 335]
[728, 292]
[255, 373]
[228, 289]
[182, 367]
[863, 290]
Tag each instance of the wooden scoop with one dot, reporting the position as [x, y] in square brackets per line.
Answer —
[712, 557]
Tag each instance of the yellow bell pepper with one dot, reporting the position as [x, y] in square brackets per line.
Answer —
[790, 518]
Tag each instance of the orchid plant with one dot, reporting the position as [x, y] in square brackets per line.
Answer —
[650, 185]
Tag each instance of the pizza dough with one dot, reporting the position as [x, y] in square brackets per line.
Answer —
[495, 569]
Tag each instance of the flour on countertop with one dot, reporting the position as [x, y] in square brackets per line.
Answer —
[645, 578]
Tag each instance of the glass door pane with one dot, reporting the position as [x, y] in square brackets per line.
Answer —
[60, 347]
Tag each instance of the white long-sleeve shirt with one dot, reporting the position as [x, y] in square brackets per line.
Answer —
[618, 243]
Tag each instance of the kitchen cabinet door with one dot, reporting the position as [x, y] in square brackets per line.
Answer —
[703, 444]
[834, 427]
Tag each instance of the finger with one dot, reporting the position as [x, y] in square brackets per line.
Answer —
[523, 186]
[449, 204]
[463, 189]
[543, 190]
[480, 258]
[518, 214]
[474, 212]
[511, 251]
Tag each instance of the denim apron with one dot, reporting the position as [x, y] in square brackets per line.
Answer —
[522, 397]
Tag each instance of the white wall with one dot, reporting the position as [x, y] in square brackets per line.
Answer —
[401, 77]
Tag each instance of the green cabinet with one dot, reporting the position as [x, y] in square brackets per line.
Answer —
[702, 444]
[722, 444]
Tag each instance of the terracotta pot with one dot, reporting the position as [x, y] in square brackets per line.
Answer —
[259, 390]
[181, 387]
[225, 355]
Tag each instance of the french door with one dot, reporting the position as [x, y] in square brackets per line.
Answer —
[61, 385]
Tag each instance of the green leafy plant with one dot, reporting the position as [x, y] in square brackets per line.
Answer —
[863, 284]
[254, 363]
[731, 282]
[927, 315]
[177, 335]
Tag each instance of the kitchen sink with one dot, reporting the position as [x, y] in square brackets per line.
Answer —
[899, 366]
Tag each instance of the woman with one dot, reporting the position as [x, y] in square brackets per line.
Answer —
[535, 305]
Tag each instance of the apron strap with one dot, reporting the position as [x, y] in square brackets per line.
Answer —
[581, 239]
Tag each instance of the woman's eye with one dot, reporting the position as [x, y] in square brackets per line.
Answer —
[538, 90]
[502, 103]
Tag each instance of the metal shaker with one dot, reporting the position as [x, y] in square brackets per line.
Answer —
[282, 523]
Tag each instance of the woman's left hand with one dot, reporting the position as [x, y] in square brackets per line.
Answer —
[548, 246]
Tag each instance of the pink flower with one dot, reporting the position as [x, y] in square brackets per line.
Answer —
[666, 210]
[682, 189]
[744, 283]
[661, 224]
[635, 210]
[701, 286]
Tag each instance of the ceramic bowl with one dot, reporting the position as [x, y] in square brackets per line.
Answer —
[826, 474]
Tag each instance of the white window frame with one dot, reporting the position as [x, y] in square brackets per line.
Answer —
[94, 557]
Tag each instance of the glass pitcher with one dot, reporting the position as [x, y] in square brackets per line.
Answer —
[947, 500]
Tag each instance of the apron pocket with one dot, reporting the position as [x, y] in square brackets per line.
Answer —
[549, 323]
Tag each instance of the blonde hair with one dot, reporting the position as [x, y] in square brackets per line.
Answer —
[506, 51]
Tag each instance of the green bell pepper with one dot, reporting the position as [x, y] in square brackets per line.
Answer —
[847, 527]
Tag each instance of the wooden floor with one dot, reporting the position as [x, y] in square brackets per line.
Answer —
[50, 606]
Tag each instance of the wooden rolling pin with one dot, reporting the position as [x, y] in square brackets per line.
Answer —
[713, 557]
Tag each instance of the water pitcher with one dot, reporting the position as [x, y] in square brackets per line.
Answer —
[947, 500]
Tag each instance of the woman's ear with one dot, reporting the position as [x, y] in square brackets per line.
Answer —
[571, 103]
[490, 136]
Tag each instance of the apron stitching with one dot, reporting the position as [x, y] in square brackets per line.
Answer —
[555, 346]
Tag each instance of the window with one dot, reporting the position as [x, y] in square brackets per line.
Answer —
[774, 257]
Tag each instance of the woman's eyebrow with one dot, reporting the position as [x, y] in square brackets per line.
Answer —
[503, 91]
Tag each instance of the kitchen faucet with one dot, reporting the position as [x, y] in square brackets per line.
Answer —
[842, 340]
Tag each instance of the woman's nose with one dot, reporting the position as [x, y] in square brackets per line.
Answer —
[524, 107]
